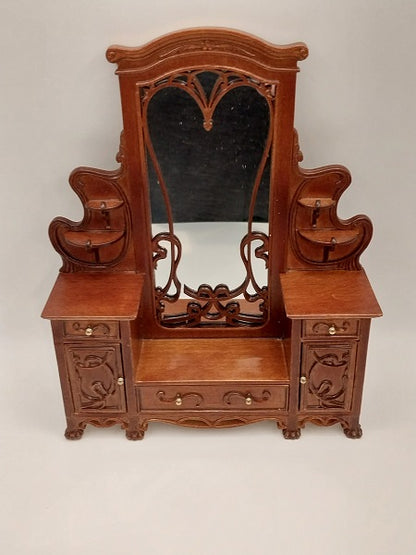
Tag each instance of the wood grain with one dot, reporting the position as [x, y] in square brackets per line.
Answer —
[311, 294]
[201, 360]
[94, 296]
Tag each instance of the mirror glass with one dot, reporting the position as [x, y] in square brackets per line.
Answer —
[208, 143]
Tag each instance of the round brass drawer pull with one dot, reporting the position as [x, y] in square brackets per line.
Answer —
[303, 380]
[332, 330]
[89, 331]
[178, 401]
[248, 400]
[120, 381]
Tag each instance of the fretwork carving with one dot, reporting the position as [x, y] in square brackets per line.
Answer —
[211, 305]
[218, 305]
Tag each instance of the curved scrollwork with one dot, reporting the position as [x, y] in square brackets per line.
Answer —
[318, 237]
[330, 390]
[160, 253]
[100, 240]
[325, 326]
[210, 305]
[219, 305]
[248, 398]
[179, 398]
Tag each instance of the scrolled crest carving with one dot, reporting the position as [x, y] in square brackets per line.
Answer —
[207, 41]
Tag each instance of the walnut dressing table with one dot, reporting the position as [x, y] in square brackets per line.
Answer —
[208, 136]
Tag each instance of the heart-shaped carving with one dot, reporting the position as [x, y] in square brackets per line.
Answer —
[207, 135]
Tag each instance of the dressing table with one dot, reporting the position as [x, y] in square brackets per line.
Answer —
[208, 136]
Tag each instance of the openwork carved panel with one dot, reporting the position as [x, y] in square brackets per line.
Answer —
[208, 96]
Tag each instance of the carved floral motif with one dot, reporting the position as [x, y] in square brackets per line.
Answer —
[95, 380]
[329, 390]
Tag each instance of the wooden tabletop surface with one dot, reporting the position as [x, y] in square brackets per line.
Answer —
[309, 294]
[94, 296]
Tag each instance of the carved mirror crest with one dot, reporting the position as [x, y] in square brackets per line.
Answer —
[208, 137]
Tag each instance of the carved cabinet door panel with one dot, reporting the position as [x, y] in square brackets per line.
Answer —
[327, 376]
[96, 378]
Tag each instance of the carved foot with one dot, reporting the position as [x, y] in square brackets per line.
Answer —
[74, 433]
[353, 433]
[291, 434]
[134, 435]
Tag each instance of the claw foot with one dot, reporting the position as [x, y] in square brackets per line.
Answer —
[134, 435]
[74, 433]
[291, 434]
[353, 433]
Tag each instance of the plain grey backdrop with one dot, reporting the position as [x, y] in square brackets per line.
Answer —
[180, 491]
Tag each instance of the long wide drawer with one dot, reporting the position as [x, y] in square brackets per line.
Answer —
[206, 397]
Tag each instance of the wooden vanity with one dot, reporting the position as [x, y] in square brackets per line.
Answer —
[208, 136]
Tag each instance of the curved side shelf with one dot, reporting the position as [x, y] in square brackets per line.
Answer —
[92, 239]
[316, 202]
[101, 239]
[106, 204]
[329, 237]
[318, 238]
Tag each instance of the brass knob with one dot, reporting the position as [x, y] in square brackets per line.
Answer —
[303, 380]
[332, 330]
[89, 331]
[249, 400]
[178, 401]
[120, 381]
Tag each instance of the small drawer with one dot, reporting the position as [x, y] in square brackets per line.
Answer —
[200, 397]
[86, 329]
[330, 328]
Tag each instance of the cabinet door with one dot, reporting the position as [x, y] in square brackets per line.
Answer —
[96, 378]
[327, 376]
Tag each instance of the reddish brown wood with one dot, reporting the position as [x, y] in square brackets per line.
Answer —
[336, 293]
[292, 351]
[212, 360]
[112, 296]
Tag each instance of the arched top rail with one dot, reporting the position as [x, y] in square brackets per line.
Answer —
[205, 47]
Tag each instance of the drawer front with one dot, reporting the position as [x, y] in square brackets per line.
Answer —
[204, 397]
[87, 329]
[330, 328]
